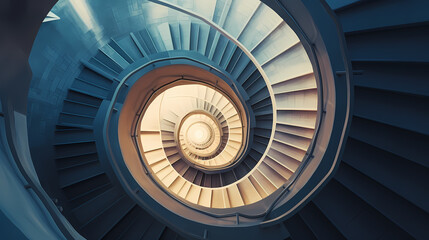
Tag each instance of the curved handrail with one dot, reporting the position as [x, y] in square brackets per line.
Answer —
[122, 83]
[245, 51]
[111, 108]
[309, 153]
[241, 154]
[347, 64]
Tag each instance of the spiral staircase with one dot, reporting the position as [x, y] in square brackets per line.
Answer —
[248, 78]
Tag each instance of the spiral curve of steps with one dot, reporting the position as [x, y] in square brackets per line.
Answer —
[378, 190]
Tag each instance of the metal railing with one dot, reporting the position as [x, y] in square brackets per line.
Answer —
[286, 187]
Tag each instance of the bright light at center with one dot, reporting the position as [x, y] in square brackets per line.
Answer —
[198, 134]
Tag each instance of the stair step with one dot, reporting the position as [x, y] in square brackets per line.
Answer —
[78, 174]
[292, 140]
[298, 229]
[69, 150]
[155, 231]
[255, 77]
[168, 234]
[175, 35]
[195, 33]
[241, 66]
[132, 226]
[248, 37]
[395, 45]
[391, 139]
[97, 77]
[304, 119]
[220, 22]
[389, 76]
[119, 62]
[302, 83]
[95, 206]
[165, 33]
[77, 119]
[318, 223]
[131, 51]
[65, 164]
[83, 97]
[138, 41]
[285, 160]
[392, 109]
[290, 64]
[77, 107]
[338, 6]
[91, 87]
[230, 56]
[101, 224]
[73, 135]
[88, 96]
[257, 87]
[203, 38]
[121, 51]
[404, 214]
[403, 177]
[104, 65]
[84, 191]
[156, 37]
[297, 131]
[290, 151]
[353, 217]
[185, 33]
[147, 42]
[220, 50]
[393, 14]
